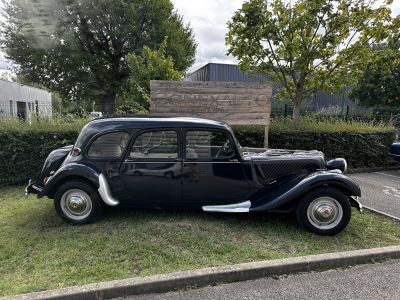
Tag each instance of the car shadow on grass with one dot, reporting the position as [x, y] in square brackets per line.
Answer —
[114, 214]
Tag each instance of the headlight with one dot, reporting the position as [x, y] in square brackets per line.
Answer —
[337, 164]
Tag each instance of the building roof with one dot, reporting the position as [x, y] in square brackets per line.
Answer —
[24, 85]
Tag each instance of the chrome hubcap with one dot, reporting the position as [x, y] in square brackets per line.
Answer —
[76, 204]
[325, 213]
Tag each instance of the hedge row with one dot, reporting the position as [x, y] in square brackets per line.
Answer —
[361, 150]
[22, 153]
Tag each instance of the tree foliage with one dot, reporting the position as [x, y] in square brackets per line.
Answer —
[79, 48]
[149, 65]
[308, 45]
[379, 84]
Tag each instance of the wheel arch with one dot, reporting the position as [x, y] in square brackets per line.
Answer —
[315, 181]
[73, 171]
[52, 191]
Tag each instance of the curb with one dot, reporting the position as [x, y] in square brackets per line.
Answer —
[381, 213]
[369, 170]
[212, 276]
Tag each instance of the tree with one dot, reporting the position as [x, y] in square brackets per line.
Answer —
[379, 84]
[149, 65]
[79, 48]
[308, 45]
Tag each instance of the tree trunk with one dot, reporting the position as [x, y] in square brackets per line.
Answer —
[298, 100]
[106, 104]
[296, 114]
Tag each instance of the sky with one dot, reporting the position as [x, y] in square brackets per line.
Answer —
[208, 19]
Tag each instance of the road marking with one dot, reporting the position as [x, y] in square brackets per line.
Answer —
[391, 191]
[387, 174]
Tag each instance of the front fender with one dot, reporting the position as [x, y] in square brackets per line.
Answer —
[312, 181]
[71, 170]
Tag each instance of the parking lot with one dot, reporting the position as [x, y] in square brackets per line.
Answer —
[380, 191]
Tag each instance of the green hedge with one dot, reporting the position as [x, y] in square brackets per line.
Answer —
[22, 152]
[361, 150]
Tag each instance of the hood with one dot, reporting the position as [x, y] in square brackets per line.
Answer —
[263, 154]
[272, 164]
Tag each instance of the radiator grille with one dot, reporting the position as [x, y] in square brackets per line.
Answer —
[274, 169]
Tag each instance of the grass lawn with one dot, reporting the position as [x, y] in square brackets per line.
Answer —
[38, 251]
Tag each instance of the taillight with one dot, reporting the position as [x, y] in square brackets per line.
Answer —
[45, 180]
[75, 151]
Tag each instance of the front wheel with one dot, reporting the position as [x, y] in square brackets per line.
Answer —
[325, 211]
[77, 202]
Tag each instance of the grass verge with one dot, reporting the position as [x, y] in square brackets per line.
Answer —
[38, 251]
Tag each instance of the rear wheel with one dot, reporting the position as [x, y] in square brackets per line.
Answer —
[325, 211]
[78, 202]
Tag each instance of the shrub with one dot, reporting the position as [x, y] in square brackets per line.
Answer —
[364, 145]
[24, 147]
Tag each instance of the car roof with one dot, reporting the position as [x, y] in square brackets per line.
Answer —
[104, 124]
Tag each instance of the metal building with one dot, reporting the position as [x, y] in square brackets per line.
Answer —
[17, 100]
[227, 72]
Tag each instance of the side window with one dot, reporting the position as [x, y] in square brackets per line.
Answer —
[109, 145]
[155, 144]
[209, 144]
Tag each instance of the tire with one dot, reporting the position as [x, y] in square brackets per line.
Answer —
[77, 202]
[324, 211]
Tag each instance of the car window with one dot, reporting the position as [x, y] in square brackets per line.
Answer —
[203, 144]
[155, 144]
[109, 145]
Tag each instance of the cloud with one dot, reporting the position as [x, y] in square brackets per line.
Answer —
[208, 19]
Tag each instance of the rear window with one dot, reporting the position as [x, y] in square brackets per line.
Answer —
[109, 145]
[86, 132]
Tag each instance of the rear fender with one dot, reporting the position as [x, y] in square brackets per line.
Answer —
[333, 179]
[71, 170]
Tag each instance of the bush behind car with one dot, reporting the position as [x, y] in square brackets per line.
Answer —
[24, 146]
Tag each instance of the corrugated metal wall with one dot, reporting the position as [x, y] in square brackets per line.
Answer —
[226, 72]
[35, 100]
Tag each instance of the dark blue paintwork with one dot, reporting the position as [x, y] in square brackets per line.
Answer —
[271, 180]
[395, 151]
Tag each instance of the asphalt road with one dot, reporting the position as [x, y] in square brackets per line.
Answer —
[378, 281]
[380, 190]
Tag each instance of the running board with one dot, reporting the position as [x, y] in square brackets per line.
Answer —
[230, 208]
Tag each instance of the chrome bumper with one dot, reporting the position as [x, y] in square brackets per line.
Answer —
[31, 188]
[355, 203]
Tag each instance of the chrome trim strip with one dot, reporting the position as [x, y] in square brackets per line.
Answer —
[105, 193]
[211, 162]
[230, 208]
[185, 162]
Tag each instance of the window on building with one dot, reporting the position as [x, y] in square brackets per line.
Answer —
[37, 107]
[155, 144]
[109, 145]
[11, 108]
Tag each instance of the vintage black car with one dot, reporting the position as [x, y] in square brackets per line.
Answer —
[192, 163]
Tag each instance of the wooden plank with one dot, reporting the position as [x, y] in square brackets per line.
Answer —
[232, 102]
[207, 84]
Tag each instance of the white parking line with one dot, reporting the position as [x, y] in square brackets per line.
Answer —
[387, 174]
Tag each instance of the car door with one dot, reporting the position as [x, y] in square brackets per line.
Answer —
[151, 170]
[212, 170]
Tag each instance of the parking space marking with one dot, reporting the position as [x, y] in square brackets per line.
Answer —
[391, 191]
[387, 174]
